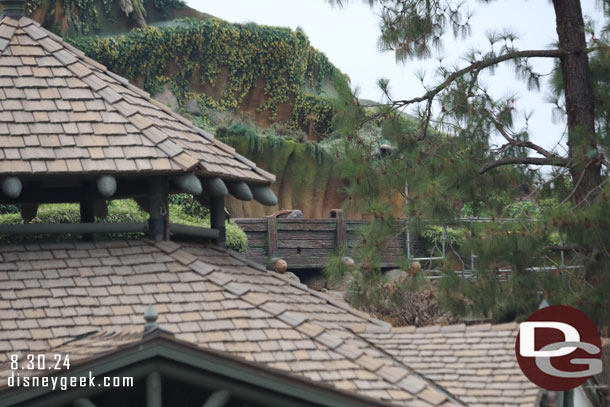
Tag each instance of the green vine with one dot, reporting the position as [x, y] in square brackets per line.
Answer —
[315, 110]
[201, 53]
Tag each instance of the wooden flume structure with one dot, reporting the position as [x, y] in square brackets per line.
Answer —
[308, 243]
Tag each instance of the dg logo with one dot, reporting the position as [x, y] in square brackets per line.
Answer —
[559, 348]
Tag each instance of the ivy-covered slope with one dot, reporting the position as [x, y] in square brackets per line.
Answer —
[271, 73]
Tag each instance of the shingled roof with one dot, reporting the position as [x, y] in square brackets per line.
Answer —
[51, 294]
[64, 113]
[475, 363]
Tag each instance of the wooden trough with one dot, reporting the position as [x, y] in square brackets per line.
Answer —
[307, 243]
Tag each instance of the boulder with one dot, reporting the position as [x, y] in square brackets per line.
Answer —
[167, 97]
[395, 275]
[315, 282]
[292, 277]
[192, 106]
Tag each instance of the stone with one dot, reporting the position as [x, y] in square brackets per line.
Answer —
[315, 281]
[167, 97]
[292, 277]
[395, 275]
[192, 106]
[344, 284]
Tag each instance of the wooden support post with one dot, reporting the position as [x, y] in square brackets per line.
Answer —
[87, 210]
[158, 208]
[218, 399]
[272, 237]
[341, 230]
[153, 390]
[218, 219]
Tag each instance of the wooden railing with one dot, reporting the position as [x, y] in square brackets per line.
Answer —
[307, 243]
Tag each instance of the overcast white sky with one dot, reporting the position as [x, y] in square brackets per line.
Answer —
[348, 36]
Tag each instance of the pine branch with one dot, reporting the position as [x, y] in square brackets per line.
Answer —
[476, 67]
[518, 143]
[555, 161]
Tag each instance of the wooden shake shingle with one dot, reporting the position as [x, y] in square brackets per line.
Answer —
[49, 89]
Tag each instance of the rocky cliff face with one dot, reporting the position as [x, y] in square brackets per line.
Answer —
[306, 179]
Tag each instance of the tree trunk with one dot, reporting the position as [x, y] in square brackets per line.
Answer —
[582, 144]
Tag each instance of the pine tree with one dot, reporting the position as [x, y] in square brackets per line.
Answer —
[448, 162]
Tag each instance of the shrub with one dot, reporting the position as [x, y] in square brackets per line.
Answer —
[120, 211]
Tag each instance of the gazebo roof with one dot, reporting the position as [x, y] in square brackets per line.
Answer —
[475, 363]
[53, 294]
[64, 113]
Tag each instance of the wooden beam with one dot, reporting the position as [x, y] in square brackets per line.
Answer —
[153, 390]
[38, 193]
[263, 195]
[272, 237]
[87, 210]
[61, 228]
[240, 190]
[339, 216]
[218, 218]
[218, 399]
[189, 183]
[215, 187]
[193, 231]
[158, 206]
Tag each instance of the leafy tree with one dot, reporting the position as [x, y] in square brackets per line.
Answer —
[448, 161]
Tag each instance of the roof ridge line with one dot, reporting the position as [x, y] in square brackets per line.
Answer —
[423, 377]
[318, 294]
[326, 297]
[295, 319]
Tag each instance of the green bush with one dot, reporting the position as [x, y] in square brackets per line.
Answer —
[433, 235]
[121, 211]
[9, 209]
[189, 205]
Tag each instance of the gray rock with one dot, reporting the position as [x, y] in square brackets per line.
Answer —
[192, 106]
[344, 284]
[395, 274]
[292, 277]
[167, 97]
[315, 282]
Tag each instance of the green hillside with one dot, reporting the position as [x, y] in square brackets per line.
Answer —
[202, 65]
[274, 74]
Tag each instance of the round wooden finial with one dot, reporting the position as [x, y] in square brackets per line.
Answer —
[150, 316]
[12, 187]
[348, 261]
[280, 266]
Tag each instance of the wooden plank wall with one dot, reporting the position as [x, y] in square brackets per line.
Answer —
[307, 243]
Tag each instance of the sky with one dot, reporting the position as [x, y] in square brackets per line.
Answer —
[348, 36]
